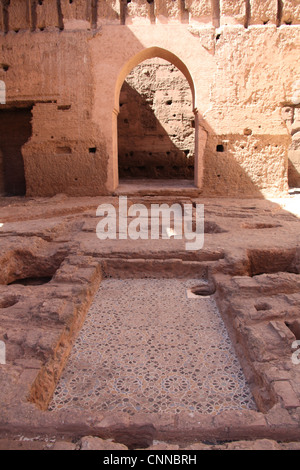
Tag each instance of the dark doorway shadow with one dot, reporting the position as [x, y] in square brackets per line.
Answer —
[294, 175]
[15, 131]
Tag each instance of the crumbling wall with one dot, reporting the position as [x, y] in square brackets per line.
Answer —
[67, 151]
[233, 12]
[247, 95]
[156, 137]
[65, 154]
[77, 14]
[109, 12]
[199, 11]
[294, 154]
[237, 165]
[139, 12]
[47, 15]
[263, 12]
[66, 59]
[291, 117]
[167, 10]
[290, 12]
[17, 15]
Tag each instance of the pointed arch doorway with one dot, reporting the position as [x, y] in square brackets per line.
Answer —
[194, 174]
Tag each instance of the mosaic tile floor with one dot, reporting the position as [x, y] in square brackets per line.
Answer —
[145, 346]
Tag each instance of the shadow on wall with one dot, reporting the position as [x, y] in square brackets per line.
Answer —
[15, 131]
[156, 136]
[294, 175]
[147, 151]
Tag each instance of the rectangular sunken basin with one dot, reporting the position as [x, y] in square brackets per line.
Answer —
[146, 346]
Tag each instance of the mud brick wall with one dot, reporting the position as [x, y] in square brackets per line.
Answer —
[16, 15]
[155, 125]
[68, 61]
[292, 114]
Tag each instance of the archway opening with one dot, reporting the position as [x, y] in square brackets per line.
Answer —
[156, 123]
[200, 131]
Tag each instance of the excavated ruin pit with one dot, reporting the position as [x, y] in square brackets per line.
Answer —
[32, 281]
[8, 301]
[152, 345]
[294, 326]
[204, 289]
[273, 261]
[148, 347]
[263, 306]
[24, 268]
[155, 345]
[153, 349]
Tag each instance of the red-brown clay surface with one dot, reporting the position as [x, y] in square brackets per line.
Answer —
[52, 265]
[64, 64]
[188, 101]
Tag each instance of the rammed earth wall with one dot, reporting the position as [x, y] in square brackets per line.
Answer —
[69, 61]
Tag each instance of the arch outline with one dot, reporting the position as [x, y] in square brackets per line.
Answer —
[151, 53]
[200, 133]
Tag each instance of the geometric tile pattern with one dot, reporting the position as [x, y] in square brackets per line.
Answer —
[146, 347]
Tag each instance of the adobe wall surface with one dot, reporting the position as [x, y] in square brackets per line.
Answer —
[291, 116]
[70, 60]
[156, 133]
